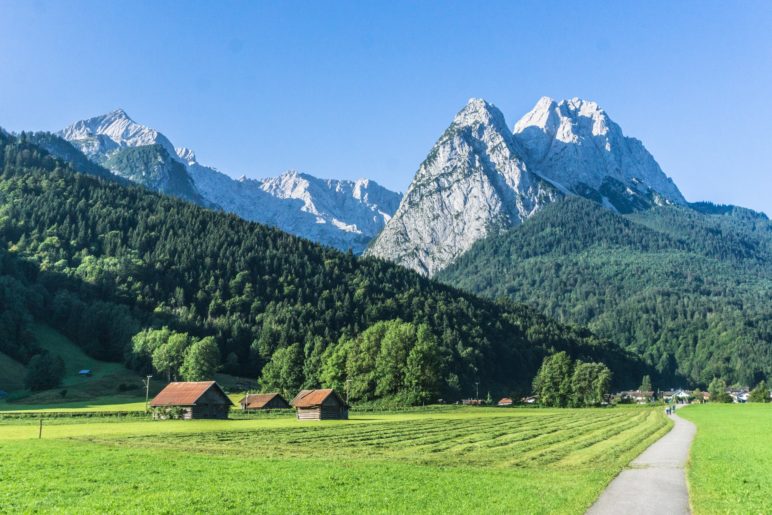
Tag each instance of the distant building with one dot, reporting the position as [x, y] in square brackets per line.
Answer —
[531, 399]
[323, 404]
[260, 401]
[197, 400]
[472, 402]
[505, 401]
[636, 396]
[739, 395]
[85, 372]
[680, 395]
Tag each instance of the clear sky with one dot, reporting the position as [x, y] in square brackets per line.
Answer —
[364, 88]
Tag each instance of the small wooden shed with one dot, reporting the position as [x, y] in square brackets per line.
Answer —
[322, 404]
[204, 399]
[259, 401]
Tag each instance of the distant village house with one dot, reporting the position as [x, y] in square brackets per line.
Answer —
[636, 396]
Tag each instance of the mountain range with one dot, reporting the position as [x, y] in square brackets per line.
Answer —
[562, 211]
[482, 178]
[342, 214]
[131, 275]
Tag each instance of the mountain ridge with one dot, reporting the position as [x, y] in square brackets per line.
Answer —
[494, 178]
[342, 214]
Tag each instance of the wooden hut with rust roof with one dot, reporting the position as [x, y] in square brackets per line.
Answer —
[261, 401]
[204, 399]
[322, 404]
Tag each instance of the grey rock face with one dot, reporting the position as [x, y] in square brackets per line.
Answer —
[472, 183]
[576, 145]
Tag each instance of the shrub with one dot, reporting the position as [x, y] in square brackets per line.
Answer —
[44, 371]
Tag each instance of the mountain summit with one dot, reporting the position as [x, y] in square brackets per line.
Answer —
[108, 132]
[472, 182]
[481, 178]
[575, 144]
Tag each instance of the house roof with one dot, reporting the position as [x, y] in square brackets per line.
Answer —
[505, 400]
[314, 398]
[258, 400]
[186, 394]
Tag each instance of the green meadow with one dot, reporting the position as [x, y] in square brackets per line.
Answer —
[479, 460]
[730, 468]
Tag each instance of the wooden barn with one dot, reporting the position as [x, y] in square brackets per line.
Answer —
[259, 401]
[322, 404]
[197, 400]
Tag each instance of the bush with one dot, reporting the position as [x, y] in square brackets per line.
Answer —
[168, 413]
[760, 393]
[44, 371]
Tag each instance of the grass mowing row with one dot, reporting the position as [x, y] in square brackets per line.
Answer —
[475, 460]
[730, 466]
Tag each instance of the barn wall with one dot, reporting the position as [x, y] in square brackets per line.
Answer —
[309, 414]
[323, 413]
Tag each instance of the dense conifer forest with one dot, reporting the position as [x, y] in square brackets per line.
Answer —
[114, 266]
[687, 288]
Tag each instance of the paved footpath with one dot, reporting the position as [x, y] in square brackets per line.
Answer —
[655, 482]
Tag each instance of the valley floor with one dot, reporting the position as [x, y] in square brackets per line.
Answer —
[464, 459]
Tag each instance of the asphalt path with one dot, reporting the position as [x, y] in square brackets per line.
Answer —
[655, 482]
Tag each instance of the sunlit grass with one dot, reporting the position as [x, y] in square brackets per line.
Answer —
[475, 460]
[730, 468]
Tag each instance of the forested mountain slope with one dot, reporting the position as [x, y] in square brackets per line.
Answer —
[101, 261]
[688, 289]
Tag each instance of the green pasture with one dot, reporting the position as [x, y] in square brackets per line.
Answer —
[76, 392]
[730, 468]
[479, 460]
[100, 392]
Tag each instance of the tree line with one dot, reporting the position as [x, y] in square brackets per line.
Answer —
[562, 382]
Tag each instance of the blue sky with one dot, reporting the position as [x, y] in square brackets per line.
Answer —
[350, 89]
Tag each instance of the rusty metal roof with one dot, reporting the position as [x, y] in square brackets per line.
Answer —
[186, 394]
[258, 400]
[314, 398]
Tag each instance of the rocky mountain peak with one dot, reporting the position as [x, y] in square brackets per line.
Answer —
[473, 182]
[481, 178]
[105, 133]
[575, 144]
[186, 154]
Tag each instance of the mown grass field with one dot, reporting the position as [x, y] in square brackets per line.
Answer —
[730, 468]
[475, 460]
